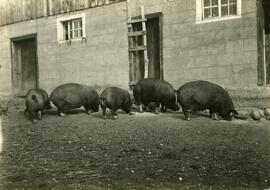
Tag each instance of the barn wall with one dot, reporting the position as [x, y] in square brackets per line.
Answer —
[224, 52]
[12, 11]
[101, 60]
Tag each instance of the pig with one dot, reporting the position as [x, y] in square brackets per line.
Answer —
[202, 95]
[155, 91]
[72, 95]
[36, 102]
[115, 98]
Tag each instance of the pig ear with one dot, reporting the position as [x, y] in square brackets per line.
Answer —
[234, 111]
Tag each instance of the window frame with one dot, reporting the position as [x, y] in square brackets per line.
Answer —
[200, 12]
[72, 18]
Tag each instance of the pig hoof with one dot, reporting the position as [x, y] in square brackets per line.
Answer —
[188, 119]
[156, 112]
[114, 117]
[34, 121]
[103, 117]
[131, 113]
[62, 114]
[89, 112]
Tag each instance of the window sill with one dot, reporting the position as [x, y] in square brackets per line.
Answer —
[83, 39]
[208, 20]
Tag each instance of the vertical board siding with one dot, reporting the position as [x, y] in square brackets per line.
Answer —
[12, 11]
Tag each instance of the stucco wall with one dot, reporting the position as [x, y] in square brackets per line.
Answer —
[224, 52]
[102, 60]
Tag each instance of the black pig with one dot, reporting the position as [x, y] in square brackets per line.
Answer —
[36, 101]
[156, 91]
[72, 95]
[201, 95]
[115, 98]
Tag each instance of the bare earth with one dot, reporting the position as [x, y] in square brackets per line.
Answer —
[142, 151]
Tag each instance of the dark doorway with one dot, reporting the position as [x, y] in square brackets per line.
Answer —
[266, 11]
[263, 37]
[24, 64]
[153, 47]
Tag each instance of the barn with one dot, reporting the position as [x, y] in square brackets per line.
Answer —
[44, 43]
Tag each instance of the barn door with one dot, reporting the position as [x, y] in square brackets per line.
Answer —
[24, 59]
[137, 64]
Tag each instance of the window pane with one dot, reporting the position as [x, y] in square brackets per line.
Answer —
[214, 11]
[75, 33]
[206, 12]
[80, 23]
[80, 33]
[70, 33]
[214, 2]
[76, 24]
[233, 10]
[71, 25]
[206, 3]
[224, 10]
[223, 2]
[232, 1]
[65, 30]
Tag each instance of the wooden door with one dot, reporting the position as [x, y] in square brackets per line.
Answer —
[24, 59]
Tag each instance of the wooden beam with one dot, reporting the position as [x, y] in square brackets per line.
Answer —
[138, 48]
[50, 7]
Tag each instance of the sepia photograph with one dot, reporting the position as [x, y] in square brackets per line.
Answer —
[134, 94]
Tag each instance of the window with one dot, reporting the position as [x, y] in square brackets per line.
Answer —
[71, 28]
[228, 7]
[210, 10]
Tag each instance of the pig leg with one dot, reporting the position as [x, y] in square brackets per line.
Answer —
[157, 107]
[65, 108]
[114, 115]
[140, 105]
[39, 114]
[26, 112]
[60, 111]
[32, 114]
[163, 108]
[88, 111]
[213, 115]
[140, 108]
[103, 112]
[186, 113]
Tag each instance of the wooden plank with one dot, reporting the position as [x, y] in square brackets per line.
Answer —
[86, 4]
[137, 33]
[138, 48]
[136, 21]
[50, 7]
[145, 44]
[12, 11]
[132, 83]
[45, 12]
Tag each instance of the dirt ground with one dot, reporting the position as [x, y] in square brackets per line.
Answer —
[142, 151]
